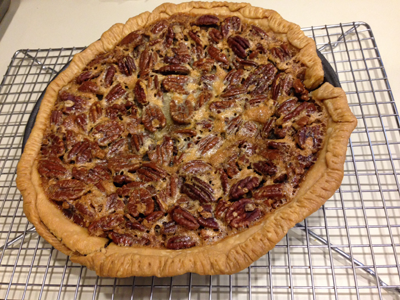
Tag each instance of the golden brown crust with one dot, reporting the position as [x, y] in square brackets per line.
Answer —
[229, 255]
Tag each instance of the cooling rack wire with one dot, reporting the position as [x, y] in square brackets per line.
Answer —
[348, 249]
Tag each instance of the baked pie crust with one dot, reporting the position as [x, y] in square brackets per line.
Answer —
[240, 246]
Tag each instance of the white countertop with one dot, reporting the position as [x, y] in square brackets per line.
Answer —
[51, 24]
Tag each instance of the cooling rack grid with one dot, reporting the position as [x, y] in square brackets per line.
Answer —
[348, 249]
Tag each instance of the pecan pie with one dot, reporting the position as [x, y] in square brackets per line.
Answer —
[189, 139]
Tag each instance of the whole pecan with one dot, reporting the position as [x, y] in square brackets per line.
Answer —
[243, 186]
[95, 112]
[73, 104]
[88, 87]
[239, 45]
[153, 118]
[265, 167]
[293, 114]
[215, 35]
[133, 38]
[108, 78]
[180, 242]
[217, 55]
[115, 93]
[195, 167]
[107, 132]
[282, 53]
[231, 23]
[270, 191]
[127, 65]
[134, 224]
[140, 91]
[185, 218]
[207, 143]
[140, 202]
[52, 168]
[264, 78]
[209, 222]
[242, 213]
[175, 84]
[173, 69]
[68, 189]
[182, 113]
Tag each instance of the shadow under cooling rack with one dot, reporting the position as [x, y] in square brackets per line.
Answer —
[349, 249]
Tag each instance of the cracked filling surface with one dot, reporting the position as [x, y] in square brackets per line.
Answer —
[189, 131]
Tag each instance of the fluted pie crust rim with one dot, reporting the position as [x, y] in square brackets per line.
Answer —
[231, 254]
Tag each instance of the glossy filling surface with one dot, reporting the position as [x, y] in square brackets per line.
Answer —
[189, 131]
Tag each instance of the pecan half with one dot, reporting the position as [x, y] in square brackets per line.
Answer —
[243, 186]
[270, 191]
[242, 213]
[95, 112]
[109, 77]
[115, 93]
[151, 172]
[80, 153]
[159, 27]
[218, 106]
[153, 118]
[175, 84]
[208, 143]
[162, 154]
[127, 65]
[133, 38]
[209, 222]
[68, 189]
[215, 35]
[52, 169]
[107, 132]
[173, 69]
[140, 92]
[207, 20]
[195, 167]
[231, 23]
[185, 218]
[88, 87]
[203, 99]
[239, 45]
[265, 167]
[180, 242]
[217, 55]
[182, 113]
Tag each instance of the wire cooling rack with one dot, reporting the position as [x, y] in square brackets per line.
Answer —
[348, 249]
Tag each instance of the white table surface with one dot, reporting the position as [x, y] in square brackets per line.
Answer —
[55, 23]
